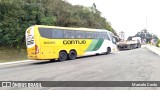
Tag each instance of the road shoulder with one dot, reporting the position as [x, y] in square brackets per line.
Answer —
[154, 49]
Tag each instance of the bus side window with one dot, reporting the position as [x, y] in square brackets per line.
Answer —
[69, 34]
[80, 34]
[57, 33]
[105, 35]
[98, 35]
[45, 32]
[89, 35]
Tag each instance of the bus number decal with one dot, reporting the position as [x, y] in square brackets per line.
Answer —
[49, 42]
[65, 42]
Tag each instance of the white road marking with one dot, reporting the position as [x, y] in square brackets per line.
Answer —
[15, 62]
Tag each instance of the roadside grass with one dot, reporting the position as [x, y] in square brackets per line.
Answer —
[12, 54]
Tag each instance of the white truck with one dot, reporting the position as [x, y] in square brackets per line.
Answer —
[134, 42]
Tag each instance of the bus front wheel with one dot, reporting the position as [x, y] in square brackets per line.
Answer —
[72, 55]
[62, 56]
[108, 50]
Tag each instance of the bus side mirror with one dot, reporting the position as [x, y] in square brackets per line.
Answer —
[115, 39]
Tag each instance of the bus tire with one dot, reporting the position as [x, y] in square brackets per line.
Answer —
[62, 56]
[72, 55]
[108, 50]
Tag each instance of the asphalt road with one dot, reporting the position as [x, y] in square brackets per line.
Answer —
[131, 65]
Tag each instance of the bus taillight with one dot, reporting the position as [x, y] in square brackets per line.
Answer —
[36, 48]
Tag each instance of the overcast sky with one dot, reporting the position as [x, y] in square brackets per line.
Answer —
[128, 15]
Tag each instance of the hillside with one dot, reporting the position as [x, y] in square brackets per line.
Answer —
[17, 15]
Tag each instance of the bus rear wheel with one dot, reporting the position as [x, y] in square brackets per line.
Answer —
[72, 55]
[62, 56]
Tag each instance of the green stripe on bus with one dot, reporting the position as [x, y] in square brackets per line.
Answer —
[92, 45]
[98, 45]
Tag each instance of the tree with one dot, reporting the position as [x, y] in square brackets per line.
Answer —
[17, 15]
[147, 36]
[158, 43]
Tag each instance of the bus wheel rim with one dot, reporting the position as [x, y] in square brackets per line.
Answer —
[73, 55]
[63, 56]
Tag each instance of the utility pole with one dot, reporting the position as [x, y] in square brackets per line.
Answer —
[146, 22]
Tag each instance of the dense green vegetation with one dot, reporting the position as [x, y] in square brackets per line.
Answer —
[158, 43]
[17, 15]
[12, 54]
